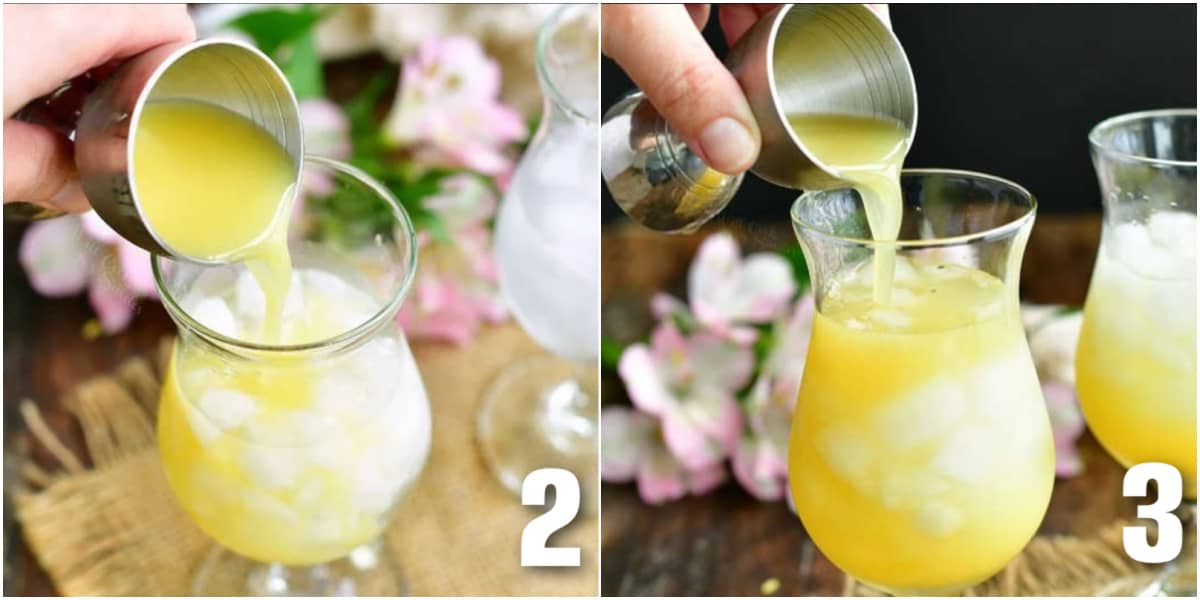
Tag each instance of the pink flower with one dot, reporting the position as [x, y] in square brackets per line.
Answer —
[1053, 336]
[447, 108]
[727, 292]
[326, 129]
[63, 256]
[457, 290]
[1066, 422]
[631, 448]
[689, 383]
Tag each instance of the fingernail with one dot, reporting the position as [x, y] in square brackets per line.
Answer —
[728, 145]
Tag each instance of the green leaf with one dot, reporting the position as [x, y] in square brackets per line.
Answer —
[288, 37]
[302, 67]
[610, 353]
[795, 257]
[271, 28]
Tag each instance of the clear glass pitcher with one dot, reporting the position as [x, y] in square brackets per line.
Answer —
[542, 411]
[921, 459]
[292, 457]
[1135, 368]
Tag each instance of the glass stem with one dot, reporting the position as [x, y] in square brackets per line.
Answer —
[562, 416]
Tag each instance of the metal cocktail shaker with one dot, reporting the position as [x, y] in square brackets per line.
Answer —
[797, 60]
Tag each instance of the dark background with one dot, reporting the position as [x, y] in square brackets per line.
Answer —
[1011, 90]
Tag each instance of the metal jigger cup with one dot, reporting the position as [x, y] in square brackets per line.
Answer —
[800, 59]
[228, 74]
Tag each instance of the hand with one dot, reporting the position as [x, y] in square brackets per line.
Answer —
[660, 47]
[46, 45]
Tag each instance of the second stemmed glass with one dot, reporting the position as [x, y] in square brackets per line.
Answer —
[1136, 364]
[921, 459]
[542, 411]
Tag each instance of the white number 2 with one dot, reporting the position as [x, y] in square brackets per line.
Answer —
[1170, 530]
[534, 552]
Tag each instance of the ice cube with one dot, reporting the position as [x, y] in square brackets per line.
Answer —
[372, 492]
[259, 505]
[273, 467]
[212, 283]
[214, 314]
[202, 427]
[969, 453]
[335, 454]
[227, 409]
[905, 488]
[847, 452]
[922, 415]
[889, 317]
[1174, 231]
[327, 284]
[249, 301]
[937, 519]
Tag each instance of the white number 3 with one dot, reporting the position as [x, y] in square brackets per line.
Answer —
[534, 552]
[1170, 530]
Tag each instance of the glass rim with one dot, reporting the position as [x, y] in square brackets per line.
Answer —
[1003, 230]
[1112, 123]
[365, 327]
[543, 38]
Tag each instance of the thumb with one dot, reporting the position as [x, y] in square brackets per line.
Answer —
[39, 168]
[661, 50]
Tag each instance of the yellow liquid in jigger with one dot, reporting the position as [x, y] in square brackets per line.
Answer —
[215, 186]
[921, 459]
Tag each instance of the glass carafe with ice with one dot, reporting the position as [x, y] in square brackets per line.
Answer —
[1136, 363]
[291, 455]
[921, 459]
[542, 411]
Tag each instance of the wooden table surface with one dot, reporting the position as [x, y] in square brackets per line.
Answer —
[728, 543]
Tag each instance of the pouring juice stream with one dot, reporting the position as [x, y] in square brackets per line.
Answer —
[867, 153]
[216, 186]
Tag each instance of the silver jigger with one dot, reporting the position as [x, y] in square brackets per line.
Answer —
[800, 59]
[224, 73]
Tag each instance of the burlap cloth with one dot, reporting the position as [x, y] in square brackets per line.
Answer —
[114, 528]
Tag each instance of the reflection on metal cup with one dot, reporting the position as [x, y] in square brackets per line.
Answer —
[232, 75]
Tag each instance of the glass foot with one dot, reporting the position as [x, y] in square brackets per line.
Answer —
[367, 571]
[542, 412]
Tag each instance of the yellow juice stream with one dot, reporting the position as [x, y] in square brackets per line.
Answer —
[215, 186]
[867, 154]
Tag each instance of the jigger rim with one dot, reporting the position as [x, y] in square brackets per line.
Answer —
[1099, 145]
[1004, 230]
[144, 99]
[777, 101]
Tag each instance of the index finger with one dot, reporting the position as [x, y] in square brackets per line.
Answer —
[45, 45]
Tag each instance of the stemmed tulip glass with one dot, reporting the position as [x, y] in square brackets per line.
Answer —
[921, 459]
[292, 457]
[542, 411]
[1136, 363]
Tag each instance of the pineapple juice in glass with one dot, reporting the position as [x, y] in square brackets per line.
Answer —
[293, 418]
[921, 459]
[1136, 363]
